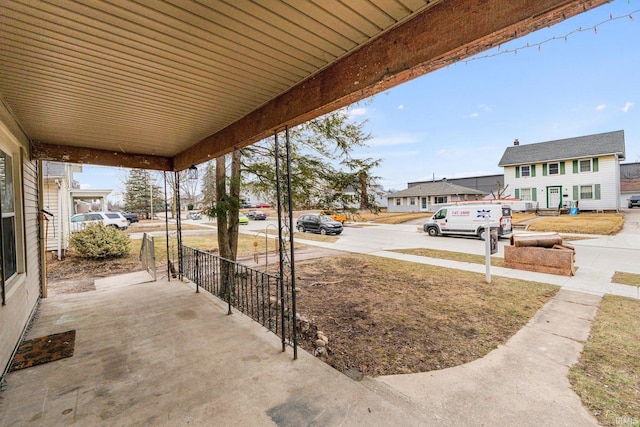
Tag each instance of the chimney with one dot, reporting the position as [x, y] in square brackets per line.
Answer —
[516, 142]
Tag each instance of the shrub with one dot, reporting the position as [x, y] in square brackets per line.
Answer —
[99, 242]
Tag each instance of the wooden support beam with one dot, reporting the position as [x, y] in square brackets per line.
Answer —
[448, 32]
[72, 154]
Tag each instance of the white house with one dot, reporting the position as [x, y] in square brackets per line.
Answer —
[427, 196]
[584, 169]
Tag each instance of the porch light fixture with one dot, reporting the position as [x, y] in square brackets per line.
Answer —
[192, 172]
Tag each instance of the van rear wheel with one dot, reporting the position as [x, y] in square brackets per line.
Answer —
[481, 233]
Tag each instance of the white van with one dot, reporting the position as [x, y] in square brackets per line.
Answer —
[470, 220]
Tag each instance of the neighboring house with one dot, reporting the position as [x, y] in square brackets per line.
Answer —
[629, 182]
[584, 169]
[485, 183]
[428, 196]
[62, 198]
[56, 189]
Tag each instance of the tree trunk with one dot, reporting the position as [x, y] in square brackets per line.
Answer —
[234, 205]
[226, 276]
[364, 197]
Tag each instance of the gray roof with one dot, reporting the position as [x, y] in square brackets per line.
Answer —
[436, 188]
[562, 149]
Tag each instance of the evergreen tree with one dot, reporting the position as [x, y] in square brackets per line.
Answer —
[140, 192]
[209, 184]
[325, 175]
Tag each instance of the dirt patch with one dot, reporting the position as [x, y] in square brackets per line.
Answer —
[384, 317]
[75, 274]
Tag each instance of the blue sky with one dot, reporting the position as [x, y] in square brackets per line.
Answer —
[457, 121]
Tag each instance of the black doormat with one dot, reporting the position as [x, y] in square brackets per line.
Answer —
[44, 350]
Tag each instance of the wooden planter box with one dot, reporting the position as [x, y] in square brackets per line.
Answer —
[558, 260]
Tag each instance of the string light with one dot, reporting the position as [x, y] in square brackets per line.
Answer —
[552, 39]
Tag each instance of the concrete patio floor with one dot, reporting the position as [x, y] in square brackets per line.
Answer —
[157, 353]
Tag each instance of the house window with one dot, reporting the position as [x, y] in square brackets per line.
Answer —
[398, 201]
[554, 168]
[585, 165]
[424, 202]
[8, 224]
[586, 192]
[525, 194]
[525, 171]
[412, 201]
[440, 199]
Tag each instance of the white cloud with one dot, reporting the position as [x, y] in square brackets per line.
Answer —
[627, 106]
[485, 108]
[357, 112]
[400, 107]
[472, 116]
[601, 107]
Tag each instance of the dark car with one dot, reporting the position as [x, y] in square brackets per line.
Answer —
[256, 215]
[318, 223]
[131, 217]
[634, 201]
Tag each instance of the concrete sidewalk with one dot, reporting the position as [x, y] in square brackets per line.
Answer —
[521, 383]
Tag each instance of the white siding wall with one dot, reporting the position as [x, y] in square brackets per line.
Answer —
[23, 291]
[606, 176]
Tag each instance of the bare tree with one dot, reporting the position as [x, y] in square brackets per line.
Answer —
[500, 192]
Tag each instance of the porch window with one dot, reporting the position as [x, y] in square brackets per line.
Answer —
[8, 224]
[554, 168]
[440, 199]
[412, 201]
[397, 201]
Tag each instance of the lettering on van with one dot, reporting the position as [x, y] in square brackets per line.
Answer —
[460, 213]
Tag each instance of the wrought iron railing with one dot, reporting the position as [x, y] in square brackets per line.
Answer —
[262, 296]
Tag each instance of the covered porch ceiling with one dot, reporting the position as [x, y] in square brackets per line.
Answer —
[165, 84]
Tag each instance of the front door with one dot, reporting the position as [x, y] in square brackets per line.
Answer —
[553, 197]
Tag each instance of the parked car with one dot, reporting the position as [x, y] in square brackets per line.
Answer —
[242, 219]
[263, 205]
[109, 219]
[257, 215]
[318, 223]
[194, 215]
[131, 217]
[634, 201]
